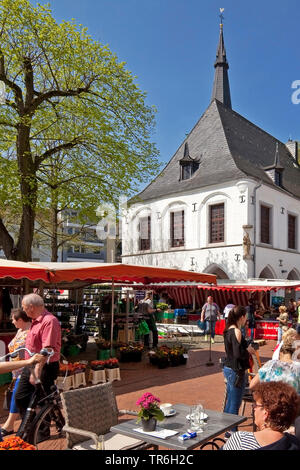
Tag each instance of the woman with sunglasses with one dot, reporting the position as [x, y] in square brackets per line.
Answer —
[275, 408]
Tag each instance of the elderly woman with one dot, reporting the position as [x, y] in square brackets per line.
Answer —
[275, 409]
[285, 369]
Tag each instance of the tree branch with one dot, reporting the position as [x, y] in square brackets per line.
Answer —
[59, 148]
[6, 241]
[13, 86]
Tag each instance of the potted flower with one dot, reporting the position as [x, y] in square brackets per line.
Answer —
[131, 353]
[112, 369]
[161, 306]
[97, 365]
[161, 357]
[150, 411]
[176, 355]
[15, 443]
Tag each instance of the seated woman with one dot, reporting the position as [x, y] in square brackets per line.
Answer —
[285, 369]
[275, 409]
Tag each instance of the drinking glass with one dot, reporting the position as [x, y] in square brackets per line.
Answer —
[195, 419]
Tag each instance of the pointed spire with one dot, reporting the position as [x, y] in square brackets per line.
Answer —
[186, 154]
[221, 89]
[277, 160]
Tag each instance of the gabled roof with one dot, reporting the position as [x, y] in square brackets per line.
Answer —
[230, 147]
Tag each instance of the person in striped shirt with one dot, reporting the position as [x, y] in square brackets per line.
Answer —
[275, 406]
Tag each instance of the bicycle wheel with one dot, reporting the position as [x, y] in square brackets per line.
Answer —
[46, 430]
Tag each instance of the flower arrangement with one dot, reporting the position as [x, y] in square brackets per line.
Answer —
[111, 363]
[97, 365]
[162, 306]
[177, 351]
[102, 343]
[149, 408]
[15, 443]
[131, 348]
[71, 368]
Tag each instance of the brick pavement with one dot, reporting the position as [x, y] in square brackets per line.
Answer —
[195, 382]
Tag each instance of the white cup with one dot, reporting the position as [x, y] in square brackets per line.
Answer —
[166, 408]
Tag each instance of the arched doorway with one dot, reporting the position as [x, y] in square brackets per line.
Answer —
[293, 275]
[217, 271]
[267, 273]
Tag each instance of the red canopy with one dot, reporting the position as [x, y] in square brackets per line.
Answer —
[61, 273]
[20, 270]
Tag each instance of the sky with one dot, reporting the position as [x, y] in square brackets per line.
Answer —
[170, 46]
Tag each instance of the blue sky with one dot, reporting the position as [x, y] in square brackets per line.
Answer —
[170, 45]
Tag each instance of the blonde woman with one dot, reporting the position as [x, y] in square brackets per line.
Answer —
[283, 322]
[285, 369]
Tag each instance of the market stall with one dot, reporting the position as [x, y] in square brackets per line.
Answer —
[189, 298]
[72, 276]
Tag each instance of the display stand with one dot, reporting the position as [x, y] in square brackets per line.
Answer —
[97, 376]
[209, 362]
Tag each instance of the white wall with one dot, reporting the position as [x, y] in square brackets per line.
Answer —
[239, 211]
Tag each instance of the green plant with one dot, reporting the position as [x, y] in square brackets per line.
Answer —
[149, 408]
[162, 306]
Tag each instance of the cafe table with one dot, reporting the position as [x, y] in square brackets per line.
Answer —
[215, 425]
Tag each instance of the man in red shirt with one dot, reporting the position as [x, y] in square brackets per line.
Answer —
[45, 332]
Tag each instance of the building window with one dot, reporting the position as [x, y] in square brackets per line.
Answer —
[188, 169]
[145, 233]
[278, 178]
[292, 220]
[265, 214]
[177, 228]
[216, 224]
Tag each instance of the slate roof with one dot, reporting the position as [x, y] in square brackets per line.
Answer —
[230, 147]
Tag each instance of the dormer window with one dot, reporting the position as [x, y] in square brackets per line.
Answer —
[188, 165]
[275, 171]
[278, 178]
[188, 169]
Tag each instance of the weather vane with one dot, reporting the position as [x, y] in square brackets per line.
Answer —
[221, 14]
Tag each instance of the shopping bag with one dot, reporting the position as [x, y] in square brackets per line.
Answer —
[201, 325]
[7, 399]
[143, 328]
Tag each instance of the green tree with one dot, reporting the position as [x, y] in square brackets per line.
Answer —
[66, 94]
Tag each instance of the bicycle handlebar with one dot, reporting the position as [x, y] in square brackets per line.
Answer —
[44, 352]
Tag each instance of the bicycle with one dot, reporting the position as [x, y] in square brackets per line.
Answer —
[43, 420]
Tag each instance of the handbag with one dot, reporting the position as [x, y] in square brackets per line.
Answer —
[201, 325]
[143, 328]
[8, 396]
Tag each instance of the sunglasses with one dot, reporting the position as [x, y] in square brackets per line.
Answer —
[255, 405]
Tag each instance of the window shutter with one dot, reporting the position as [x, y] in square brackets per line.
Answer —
[265, 224]
[217, 224]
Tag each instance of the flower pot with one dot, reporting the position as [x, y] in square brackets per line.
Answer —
[162, 362]
[183, 360]
[149, 425]
[175, 361]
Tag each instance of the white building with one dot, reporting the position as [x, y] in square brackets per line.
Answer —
[227, 203]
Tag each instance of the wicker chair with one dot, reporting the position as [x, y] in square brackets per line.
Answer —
[90, 413]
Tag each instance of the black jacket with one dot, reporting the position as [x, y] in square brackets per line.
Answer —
[287, 442]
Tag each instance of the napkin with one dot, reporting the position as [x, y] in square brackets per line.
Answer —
[160, 432]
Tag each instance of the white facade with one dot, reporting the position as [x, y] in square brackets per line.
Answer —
[225, 259]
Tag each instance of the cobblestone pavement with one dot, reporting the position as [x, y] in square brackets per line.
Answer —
[195, 382]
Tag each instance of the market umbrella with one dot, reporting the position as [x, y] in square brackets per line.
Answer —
[21, 270]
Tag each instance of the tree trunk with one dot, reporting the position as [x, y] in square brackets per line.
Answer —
[54, 226]
[29, 188]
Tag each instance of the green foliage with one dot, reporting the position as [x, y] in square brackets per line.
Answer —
[75, 127]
